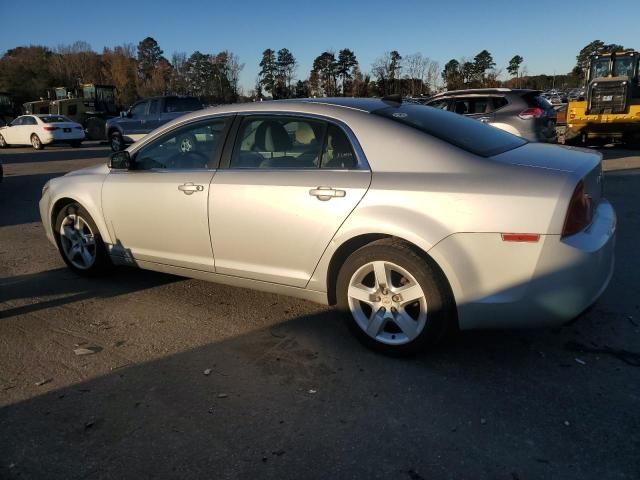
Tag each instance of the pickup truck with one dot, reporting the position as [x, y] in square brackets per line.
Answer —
[144, 116]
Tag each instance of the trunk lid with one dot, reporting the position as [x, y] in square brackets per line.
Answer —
[578, 163]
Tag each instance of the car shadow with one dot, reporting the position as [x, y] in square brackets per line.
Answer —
[53, 153]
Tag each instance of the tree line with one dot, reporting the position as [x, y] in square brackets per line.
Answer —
[135, 71]
[143, 70]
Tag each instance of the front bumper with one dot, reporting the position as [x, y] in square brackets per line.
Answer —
[45, 208]
[505, 285]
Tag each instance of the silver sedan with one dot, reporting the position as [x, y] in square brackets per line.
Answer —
[411, 220]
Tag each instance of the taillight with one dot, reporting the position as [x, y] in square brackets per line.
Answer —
[579, 213]
[50, 129]
[530, 113]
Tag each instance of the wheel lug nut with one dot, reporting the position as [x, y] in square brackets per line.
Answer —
[396, 298]
[377, 299]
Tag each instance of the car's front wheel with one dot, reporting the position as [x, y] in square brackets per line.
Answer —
[395, 299]
[3, 142]
[36, 143]
[79, 241]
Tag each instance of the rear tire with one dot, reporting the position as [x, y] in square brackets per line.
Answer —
[408, 311]
[36, 143]
[117, 142]
[79, 241]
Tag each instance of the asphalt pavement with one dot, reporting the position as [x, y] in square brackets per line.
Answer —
[146, 375]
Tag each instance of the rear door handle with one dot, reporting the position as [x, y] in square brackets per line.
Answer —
[189, 188]
[326, 193]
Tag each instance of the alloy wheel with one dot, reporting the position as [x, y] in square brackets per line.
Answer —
[387, 302]
[186, 145]
[35, 142]
[78, 241]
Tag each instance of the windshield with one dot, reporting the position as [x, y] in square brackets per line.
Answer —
[600, 68]
[53, 118]
[623, 67]
[468, 134]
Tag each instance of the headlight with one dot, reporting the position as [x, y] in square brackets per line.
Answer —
[45, 188]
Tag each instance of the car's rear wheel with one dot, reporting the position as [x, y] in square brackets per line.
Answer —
[3, 142]
[394, 298]
[117, 142]
[36, 143]
[79, 241]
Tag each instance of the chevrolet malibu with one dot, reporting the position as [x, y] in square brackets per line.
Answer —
[41, 130]
[411, 220]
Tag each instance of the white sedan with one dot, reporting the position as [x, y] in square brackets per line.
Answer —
[41, 130]
[411, 220]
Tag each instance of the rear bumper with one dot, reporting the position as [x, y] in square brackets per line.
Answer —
[67, 138]
[505, 285]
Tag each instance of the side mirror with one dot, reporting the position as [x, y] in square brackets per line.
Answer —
[120, 161]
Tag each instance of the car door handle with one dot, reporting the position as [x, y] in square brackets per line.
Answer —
[485, 119]
[326, 193]
[190, 188]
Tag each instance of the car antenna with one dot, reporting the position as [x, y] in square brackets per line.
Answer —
[395, 98]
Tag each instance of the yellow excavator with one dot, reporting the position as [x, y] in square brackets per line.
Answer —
[610, 108]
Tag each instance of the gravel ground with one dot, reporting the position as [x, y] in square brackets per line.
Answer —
[289, 393]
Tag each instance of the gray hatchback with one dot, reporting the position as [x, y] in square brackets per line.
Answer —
[522, 112]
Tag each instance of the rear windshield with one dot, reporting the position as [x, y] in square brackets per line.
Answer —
[466, 133]
[187, 104]
[54, 119]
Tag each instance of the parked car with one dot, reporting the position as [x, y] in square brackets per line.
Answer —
[145, 116]
[410, 219]
[41, 130]
[522, 112]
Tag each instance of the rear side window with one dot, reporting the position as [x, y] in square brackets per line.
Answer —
[471, 106]
[465, 133]
[499, 102]
[186, 104]
[440, 104]
[338, 154]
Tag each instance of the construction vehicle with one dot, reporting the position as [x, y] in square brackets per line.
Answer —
[7, 108]
[610, 109]
[90, 105]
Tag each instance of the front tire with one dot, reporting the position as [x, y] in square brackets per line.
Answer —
[36, 143]
[79, 241]
[395, 299]
[3, 142]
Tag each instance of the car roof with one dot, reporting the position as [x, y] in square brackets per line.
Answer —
[485, 91]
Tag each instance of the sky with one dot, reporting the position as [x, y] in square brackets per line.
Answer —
[548, 34]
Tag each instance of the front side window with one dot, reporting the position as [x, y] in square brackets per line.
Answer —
[29, 121]
[139, 109]
[17, 122]
[276, 142]
[192, 147]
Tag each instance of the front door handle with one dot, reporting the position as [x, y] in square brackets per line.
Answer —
[189, 188]
[485, 119]
[326, 193]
